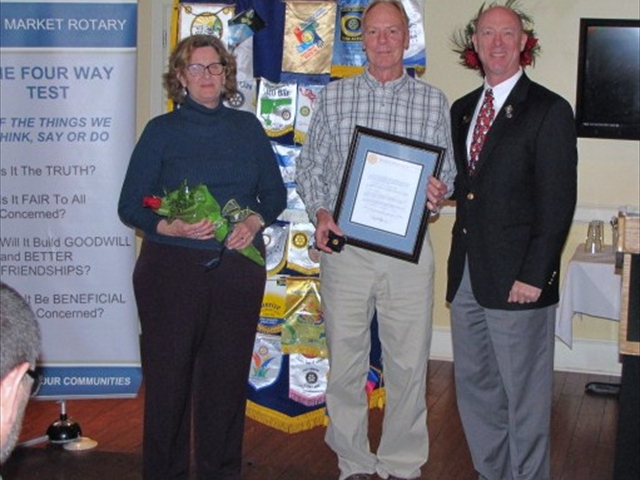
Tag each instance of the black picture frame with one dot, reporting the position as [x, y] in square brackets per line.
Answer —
[381, 203]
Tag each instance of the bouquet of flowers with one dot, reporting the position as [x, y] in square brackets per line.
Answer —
[193, 204]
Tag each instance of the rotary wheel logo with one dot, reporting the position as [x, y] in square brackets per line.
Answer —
[305, 111]
[300, 240]
[311, 378]
[286, 114]
[351, 25]
[237, 100]
[266, 238]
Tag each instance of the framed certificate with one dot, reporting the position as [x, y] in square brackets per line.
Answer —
[382, 200]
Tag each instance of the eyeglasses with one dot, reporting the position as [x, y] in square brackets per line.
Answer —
[37, 382]
[197, 69]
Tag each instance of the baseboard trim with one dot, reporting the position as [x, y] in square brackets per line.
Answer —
[587, 356]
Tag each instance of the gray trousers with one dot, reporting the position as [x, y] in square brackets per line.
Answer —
[503, 363]
[355, 283]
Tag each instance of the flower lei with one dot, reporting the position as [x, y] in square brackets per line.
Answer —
[463, 45]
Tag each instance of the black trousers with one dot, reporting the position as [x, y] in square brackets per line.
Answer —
[198, 330]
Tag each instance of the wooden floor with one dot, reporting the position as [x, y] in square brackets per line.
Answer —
[583, 439]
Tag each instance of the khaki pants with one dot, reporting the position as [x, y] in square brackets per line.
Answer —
[354, 284]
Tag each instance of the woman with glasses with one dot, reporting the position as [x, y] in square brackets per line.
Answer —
[199, 323]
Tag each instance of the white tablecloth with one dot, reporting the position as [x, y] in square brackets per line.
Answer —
[591, 286]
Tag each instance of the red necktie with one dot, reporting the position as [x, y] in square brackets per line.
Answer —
[483, 122]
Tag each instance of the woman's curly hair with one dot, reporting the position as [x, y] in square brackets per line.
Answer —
[180, 58]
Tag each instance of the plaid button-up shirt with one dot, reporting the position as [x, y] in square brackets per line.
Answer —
[405, 107]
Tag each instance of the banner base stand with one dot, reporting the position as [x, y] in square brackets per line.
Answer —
[65, 429]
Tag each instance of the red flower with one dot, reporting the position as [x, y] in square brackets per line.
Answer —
[531, 43]
[471, 58]
[152, 202]
[528, 55]
[526, 58]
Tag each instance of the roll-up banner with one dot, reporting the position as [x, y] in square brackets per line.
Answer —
[67, 129]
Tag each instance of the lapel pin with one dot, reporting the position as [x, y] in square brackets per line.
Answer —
[509, 111]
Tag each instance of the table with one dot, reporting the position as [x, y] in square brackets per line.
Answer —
[592, 287]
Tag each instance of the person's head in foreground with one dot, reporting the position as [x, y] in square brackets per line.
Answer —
[19, 349]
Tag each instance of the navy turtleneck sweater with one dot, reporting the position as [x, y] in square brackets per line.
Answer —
[223, 148]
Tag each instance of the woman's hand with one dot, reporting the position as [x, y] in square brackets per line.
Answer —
[202, 230]
[244, 232]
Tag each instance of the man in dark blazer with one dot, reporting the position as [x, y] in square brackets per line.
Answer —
[514, 210]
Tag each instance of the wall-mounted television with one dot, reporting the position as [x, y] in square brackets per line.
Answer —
[608, 89]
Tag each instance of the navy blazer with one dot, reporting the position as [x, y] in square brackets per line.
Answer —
[513, 216]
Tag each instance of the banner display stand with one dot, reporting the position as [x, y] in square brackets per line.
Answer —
[290, 50]
[67, 129]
